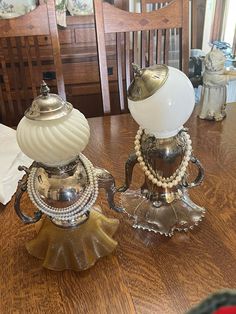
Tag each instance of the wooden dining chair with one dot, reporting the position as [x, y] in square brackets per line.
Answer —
[141, 38]
[25, 59]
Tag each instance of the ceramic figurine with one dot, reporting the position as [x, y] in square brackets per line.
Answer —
[214, 92]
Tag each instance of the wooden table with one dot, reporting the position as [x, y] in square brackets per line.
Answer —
[147, 273]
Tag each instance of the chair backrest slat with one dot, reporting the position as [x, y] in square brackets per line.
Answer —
[16, 76]
[38, 59]
[151, 43]
[10, 110]
[22, 69]
[159, 46]
[135, 47]
[30, 66]
[3, 115]
[143, 48]
[120, 69]
[166, 45]
[127, 58]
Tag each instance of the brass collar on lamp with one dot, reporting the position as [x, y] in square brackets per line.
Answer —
[48, 106]
[147, 81]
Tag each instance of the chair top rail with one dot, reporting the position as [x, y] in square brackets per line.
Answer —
[34, 23]
[117, 20]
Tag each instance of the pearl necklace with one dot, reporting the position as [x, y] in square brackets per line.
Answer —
[160, 181]
[74, 211]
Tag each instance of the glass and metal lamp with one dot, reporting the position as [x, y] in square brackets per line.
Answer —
[63, 185]
[161, 99]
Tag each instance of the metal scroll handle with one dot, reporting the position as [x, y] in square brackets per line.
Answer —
[21, 189]
[200, 176]
[129, 167]
[107, 182]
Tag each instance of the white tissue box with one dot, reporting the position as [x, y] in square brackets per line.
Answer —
[10, 158]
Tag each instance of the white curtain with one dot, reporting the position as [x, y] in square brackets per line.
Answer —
[209, 16]
[227, 30]
[134, 6]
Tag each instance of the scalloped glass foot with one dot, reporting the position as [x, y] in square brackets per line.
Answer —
[77, 248]
[164, 218]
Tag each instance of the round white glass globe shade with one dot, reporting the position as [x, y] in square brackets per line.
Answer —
[164, 113]
[54, 142]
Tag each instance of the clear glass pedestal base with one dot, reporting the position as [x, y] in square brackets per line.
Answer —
[181, 214]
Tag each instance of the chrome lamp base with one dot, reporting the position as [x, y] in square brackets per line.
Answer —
[162, 204]
[181, 214]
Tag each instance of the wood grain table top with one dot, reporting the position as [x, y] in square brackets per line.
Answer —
[148, 273]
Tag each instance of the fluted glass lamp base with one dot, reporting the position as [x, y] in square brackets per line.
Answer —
[77, 248]
[181, 214]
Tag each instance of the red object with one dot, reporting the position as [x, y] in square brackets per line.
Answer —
[226, 310]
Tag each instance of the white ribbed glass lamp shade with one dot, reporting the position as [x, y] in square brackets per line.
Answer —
[164, 113]
[54, 142]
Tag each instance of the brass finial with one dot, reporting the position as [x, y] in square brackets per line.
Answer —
[48, 106]
[44, 89]
[137, 69]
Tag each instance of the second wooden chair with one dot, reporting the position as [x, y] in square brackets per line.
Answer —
[130, 29]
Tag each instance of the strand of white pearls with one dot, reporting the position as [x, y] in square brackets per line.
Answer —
[75, 210]
[160, 181]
